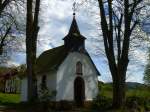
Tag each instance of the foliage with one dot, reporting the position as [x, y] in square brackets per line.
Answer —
[45, 95]
[105, 90]
[21, 70]
[140, 94]
[140, 101]
[102, 102]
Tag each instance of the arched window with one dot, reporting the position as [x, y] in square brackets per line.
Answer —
[43, 81]
[79, 68]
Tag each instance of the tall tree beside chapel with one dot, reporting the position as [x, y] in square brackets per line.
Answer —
[32, 29]
[117, 28]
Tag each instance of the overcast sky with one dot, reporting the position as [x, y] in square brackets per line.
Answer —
[55, 20]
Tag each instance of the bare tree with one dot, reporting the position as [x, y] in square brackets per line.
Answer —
[117, 28]
[32, 29]
[8, 20]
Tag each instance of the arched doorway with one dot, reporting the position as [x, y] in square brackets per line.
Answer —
[79, 91]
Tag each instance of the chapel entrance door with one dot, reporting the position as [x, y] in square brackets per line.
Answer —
[79, 91]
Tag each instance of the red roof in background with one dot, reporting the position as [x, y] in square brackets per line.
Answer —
[8, 74]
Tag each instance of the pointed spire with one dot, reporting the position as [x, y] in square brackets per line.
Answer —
[74, 27]
[74, 31]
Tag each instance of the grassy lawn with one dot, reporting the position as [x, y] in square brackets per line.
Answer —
[6, 99]
[139, 94]
[12, 101]
[106, 90]
[145, 93]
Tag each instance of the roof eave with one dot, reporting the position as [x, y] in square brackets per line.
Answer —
[98, 73]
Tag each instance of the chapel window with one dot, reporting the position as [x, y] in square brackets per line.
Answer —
[79, 68]
[44, 81]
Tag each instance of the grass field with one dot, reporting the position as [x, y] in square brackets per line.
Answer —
[106, 90]
[141, 94]
[6, 98]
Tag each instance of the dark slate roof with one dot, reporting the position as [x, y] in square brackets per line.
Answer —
[8, 74]
[74, 27]
[93, 63]
[74, 31]
[50, 59]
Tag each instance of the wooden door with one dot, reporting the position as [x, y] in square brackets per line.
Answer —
[79, 91]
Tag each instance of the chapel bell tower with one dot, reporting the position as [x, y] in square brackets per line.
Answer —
[74, 40]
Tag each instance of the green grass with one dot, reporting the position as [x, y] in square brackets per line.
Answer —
[6, 98]
[106, 90]
[138, 92]
[141, 94]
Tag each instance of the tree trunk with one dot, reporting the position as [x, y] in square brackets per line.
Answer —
[123, 28]
[29, 49]
[118, 92]
[119, 84]
[31, 40]
[4, 85]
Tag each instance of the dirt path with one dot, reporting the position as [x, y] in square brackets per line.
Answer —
[6, 109]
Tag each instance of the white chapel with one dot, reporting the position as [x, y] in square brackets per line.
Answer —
[67, 69]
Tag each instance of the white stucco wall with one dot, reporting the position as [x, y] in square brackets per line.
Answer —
[67, 73]
[63, 80]
[24, 89]
[51, 84]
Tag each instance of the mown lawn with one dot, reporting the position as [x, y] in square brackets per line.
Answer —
[6, 99]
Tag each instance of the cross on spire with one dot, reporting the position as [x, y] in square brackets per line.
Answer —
[74, 7]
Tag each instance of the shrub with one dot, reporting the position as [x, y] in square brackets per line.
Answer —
[102, 102]
[141, 101]
[130, 100]
[147, 105]
[45, 96]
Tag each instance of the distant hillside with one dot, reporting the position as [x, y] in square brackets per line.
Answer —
[130, 85]
[133, 85]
